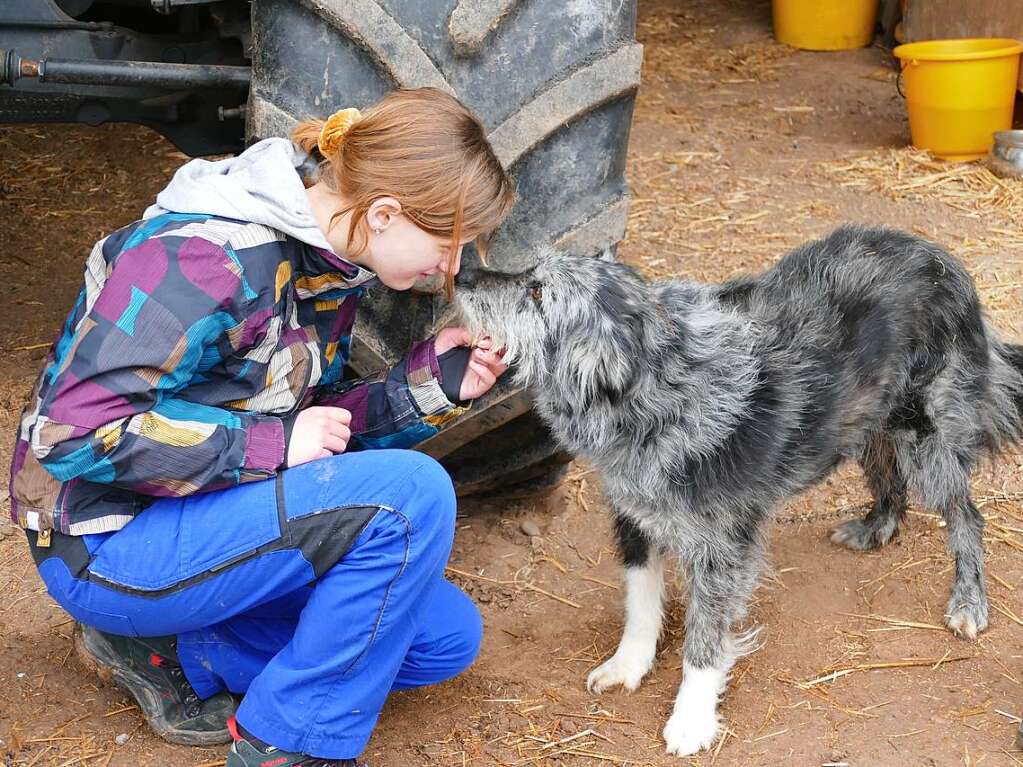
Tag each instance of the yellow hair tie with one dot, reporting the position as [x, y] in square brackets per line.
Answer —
[334, 130]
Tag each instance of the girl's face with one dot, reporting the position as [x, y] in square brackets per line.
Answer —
[402, 254]
[398, 251]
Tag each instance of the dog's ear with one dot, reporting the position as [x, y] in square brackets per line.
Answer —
[604, 350]
[602, 366]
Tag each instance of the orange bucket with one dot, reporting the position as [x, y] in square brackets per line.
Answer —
[959, 93]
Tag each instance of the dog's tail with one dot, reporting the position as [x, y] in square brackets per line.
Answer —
[1014, 356]
[1006, 392]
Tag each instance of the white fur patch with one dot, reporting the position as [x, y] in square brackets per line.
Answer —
[694, 721]
[644, 597]
[963, 623]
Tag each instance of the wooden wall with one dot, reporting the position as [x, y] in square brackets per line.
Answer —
[944, 19]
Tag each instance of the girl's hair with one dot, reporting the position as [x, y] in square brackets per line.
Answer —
[429, 152]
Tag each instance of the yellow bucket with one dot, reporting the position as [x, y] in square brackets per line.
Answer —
[825, 25]
[959, 93]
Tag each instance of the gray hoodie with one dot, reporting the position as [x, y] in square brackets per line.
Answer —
[261, 185]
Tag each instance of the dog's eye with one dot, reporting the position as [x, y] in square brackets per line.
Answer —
[537, 293]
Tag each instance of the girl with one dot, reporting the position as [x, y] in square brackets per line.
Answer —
[195, 479]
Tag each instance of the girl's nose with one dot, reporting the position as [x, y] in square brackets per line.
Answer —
[457, 265]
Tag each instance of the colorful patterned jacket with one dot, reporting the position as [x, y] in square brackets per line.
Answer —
[192, 346]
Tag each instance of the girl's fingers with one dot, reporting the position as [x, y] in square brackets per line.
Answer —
[498, 355]
[335, 444]
[460, 337]
[338, 415]
[492, 360]
[339, 429]
[485, 374]
[324, 454]
[449, 338]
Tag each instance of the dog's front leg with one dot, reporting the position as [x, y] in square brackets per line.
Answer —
[644, 597]
[720, 582]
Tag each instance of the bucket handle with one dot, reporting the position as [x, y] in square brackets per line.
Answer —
[898, 77]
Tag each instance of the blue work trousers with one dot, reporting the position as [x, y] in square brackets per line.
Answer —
[314, 594]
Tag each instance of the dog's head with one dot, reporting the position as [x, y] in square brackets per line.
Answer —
[580, 319]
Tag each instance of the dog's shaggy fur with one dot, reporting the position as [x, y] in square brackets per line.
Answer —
[706, 406]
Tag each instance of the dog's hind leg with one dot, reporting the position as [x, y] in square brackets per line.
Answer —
[721, 579]
[943, 482]
[967, 611]
[644, 597]
[881, 524]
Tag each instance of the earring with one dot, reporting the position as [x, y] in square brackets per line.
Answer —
[378, 230]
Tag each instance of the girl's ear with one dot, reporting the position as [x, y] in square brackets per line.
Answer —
[381, 213]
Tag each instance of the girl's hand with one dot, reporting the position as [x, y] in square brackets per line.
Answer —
[485, 367]
[485, 364]
[448, 338]
[319, 432]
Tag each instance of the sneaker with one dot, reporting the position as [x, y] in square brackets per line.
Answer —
[149, 669]
[249, 751]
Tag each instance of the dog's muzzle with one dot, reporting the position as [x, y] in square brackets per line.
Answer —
[467, 277]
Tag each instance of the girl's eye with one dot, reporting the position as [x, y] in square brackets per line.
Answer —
[537, 293]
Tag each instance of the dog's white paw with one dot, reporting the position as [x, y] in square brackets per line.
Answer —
[966, 622]
[967, 612]
[688, 732]
[694, 720]
[623, 668]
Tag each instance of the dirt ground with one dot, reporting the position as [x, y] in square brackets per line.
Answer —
[741, 148]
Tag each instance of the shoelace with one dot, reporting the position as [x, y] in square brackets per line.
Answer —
[189, 698]
[186, 694]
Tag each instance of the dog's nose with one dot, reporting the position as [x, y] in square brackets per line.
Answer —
[470, 267]
[467, 276]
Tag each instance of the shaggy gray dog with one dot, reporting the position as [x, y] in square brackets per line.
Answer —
[704, 407]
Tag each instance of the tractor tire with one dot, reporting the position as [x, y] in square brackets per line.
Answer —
[554, 84]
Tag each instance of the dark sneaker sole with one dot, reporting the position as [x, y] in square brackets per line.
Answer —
[96, 654]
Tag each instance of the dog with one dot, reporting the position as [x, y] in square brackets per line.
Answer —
[703, 407]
